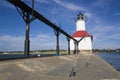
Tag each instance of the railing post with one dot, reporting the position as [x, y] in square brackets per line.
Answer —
[57, 33]
[28, 18]
[68, 39]
[77, 45]
[27, 41]
[74, 47]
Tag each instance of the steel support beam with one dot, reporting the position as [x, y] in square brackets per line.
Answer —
[57, 33]
[37, 15]
[68, 39]
[27, 41]
[77, 50]
[28, 18]
[30, 11]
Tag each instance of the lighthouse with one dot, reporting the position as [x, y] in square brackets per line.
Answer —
[85, 45]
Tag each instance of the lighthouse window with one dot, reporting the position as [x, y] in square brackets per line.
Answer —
[78, 18]
[82, 17]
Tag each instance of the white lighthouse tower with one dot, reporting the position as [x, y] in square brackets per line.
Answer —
[85, 45]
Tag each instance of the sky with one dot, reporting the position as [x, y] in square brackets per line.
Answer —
[102, 21]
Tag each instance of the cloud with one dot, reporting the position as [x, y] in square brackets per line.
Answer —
[88, 15]
[69, 5]
[42, 41]
[8, 43]
[38, 42]
[5, 3]
[74, 7]
[115, 36]
[105, 33]
[102, 29]
[105, 36]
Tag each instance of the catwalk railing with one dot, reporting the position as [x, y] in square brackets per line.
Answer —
[26, 12]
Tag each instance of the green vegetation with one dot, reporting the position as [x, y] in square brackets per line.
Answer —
[106, 50]
[51, 51]
[1, 52]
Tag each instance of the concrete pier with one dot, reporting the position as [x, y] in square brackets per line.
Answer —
[58, 68]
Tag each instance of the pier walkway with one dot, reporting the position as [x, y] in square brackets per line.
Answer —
[57, 68]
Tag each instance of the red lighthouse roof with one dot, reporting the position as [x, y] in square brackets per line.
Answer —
[81, 33]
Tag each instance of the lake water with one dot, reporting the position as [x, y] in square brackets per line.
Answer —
[19, 56]
[112, 58]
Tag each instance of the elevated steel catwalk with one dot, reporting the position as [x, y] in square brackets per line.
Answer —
[26, 8]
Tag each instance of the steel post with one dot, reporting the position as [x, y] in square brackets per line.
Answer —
[57, 33]
[58, 51]
[74, 47]
[68, 39]
[77, 48]
[27, 41]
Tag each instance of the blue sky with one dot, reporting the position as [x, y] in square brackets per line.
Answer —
[103, 22]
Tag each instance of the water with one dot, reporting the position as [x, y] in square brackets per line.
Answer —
[112, 58]
[18, 56]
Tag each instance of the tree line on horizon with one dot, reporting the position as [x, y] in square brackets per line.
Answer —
[53, 50]
[106, 50]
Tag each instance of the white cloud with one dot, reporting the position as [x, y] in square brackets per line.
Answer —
[102, 29]
[70, 6]
[105, 33]
[88, 15]
[11, 42]
[40, 41]
[74, 7]
[115, 36]
[5, 3]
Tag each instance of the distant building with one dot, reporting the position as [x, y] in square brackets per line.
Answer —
[85, 45]
[108, 49]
